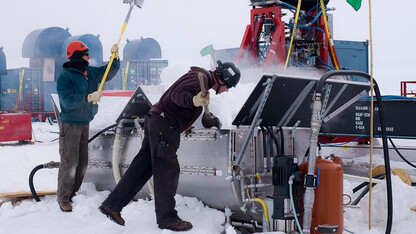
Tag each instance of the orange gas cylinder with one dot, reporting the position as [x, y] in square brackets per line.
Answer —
[328, 204]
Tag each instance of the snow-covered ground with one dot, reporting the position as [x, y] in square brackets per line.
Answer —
[16, 162]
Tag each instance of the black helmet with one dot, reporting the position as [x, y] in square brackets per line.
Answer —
[228, 73]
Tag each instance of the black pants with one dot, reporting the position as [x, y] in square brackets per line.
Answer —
[156, 157]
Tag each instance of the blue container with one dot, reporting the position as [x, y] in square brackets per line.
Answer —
[94, 45]
[140, 72]
[31, 94]
[141, 49]
[48, 89]
[9, 84]
[44, 43]
[2, 62]
[353, 55]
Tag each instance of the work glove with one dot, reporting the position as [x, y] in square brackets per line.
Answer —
[94, 97]
[200, 100]
[114, 49]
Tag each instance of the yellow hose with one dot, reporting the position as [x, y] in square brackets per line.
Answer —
[328, 35]
[20, 88]
[263, 204]
[125, 75]
[293, 32]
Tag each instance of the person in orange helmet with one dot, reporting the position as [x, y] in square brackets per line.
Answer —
[77, 90]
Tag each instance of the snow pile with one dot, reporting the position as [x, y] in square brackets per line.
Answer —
[46, 217]
[404, 196]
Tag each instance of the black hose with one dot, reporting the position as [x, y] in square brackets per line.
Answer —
[401, 156]
[49, 165]
[365, 191]
[32, 188]
[276, 142]
[319, 88]
[56, 165]
[282, 141]
[263, 131]
[360, 186]
[101, 132]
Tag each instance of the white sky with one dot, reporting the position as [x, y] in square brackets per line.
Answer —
[184, 27]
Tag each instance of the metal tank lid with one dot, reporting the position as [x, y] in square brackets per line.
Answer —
[94, 45]
[141, 49]
[45, 42]
[2, 62]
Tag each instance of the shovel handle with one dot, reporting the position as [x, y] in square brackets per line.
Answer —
[204, 92]
[113, 55]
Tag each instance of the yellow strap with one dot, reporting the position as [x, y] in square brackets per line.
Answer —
[293, 32]
[328, 35]
[126, 72]
[20, 88]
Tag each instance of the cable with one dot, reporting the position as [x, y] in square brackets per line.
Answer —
[319, 88]
[275, 140]
[292, 203]
[342, 143]
[31, 186]
[401, 156]
[101, 132]
[49, 165]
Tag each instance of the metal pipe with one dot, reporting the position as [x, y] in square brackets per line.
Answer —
[310, 177]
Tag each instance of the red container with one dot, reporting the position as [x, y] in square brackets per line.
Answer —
[15, 127]
[328, 204]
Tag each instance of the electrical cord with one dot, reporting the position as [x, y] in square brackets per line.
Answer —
[319, 88]
[101, 132]
[401, 156]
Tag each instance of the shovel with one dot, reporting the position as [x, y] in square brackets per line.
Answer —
[208, 119]
[139, 4]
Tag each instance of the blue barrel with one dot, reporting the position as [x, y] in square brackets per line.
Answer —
[141, 49]
[94, 45]
[44, 43]
[2, 62]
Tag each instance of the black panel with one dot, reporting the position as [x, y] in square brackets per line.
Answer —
[138, 106]
[355, 120]
[290, 100]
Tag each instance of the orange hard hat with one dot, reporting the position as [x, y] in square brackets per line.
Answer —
[75, 46]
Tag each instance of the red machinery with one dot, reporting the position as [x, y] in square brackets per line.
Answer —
[265, 41]
[403, 88]
[15, 127]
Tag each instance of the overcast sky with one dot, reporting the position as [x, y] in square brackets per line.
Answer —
[184, 27]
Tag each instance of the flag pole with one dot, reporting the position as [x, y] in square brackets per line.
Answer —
[371, 116]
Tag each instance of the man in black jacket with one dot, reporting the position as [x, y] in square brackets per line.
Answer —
[177, 110]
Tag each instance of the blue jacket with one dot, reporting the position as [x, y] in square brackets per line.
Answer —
[73, 88]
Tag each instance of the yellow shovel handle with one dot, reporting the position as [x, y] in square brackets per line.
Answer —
[114, 54]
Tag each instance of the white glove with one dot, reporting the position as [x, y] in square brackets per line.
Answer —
[94, 97]
[114, 49]
[200, 100]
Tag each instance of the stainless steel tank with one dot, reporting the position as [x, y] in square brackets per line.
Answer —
[205, 158]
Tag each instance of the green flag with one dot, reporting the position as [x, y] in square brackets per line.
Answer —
[207, 50]
[356, 4]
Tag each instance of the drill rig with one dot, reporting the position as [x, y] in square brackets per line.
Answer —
[268, 39]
